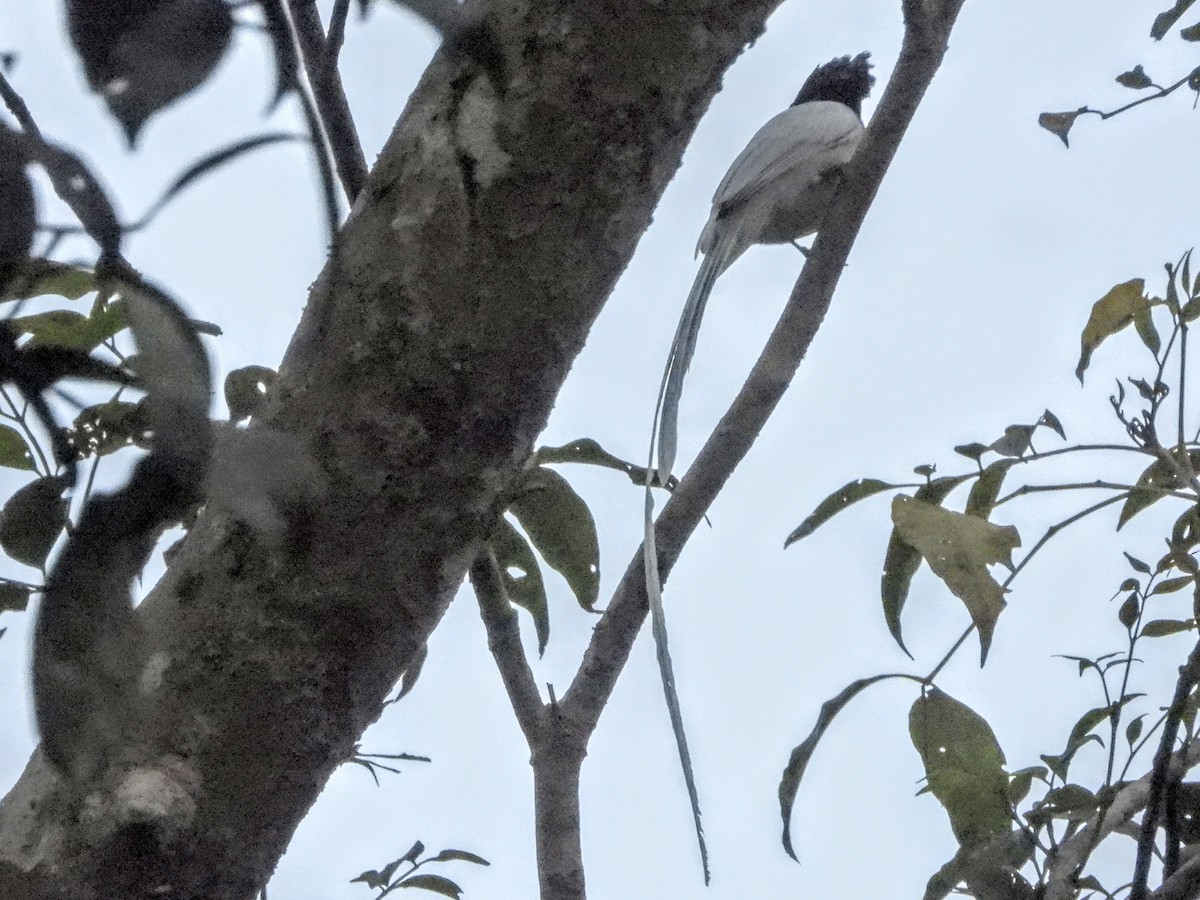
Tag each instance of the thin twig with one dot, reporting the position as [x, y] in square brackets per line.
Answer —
[504, 640]
[333, 109]
[16, 106]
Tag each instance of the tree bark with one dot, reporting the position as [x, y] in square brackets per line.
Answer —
[491, 230]
[557, 760]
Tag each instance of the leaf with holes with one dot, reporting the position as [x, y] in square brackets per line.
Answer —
[521, 576]
[1158, 478]
[246, 390]
[108, 427]
[14, 452]
[963, 764]
[589, 452]
[561, 528]
[959, 548]
[902, 560]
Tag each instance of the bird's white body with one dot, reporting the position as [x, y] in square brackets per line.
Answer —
[776, 191]
[779, 187]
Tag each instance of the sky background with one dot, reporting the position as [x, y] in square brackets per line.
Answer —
[959, 313]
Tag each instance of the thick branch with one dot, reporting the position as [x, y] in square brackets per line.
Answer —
[1070, 856]
[928, 26]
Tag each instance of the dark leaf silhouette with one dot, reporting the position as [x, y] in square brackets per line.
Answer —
[142, 55]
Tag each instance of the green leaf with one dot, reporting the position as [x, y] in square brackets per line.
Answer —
[108, 427]
[1071, 801]
[411, 856]
[13, 597]
[1110, 314]
[1133, 730]
[246, 390]
[14, 452]
[1127, 613]
[990, 870]
[843, 497]
[39, 277]
[974, 450]
[32, 520]
[986, 488]
[521, 577]
[1158, 477]
[1086, 724]
[589, 452]
[1136, 564]
[390, 869]
[1059, 124]
[1019, 785]
[959, 548]
[1135, 79]
[964, 765]
[789, 784]
[1050, 420]
[433, 883]
[1015, 441]
[60, 327]
[1171, 585]
[560, 526]
[1164, 627]
[372, 878]
[1143, 323]
[902, 560]
[463, 855]
[900, 564]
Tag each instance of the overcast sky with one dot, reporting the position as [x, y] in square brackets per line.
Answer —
[959, 313]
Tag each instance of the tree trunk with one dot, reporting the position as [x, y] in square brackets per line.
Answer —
[557, 760]
[491, 230]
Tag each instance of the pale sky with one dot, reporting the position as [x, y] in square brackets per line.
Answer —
[959, 313]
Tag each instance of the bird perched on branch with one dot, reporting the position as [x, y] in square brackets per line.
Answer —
[776, 192]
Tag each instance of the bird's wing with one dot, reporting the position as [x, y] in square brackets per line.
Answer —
[799, 145]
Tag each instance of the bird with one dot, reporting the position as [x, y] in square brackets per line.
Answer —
[776, 192]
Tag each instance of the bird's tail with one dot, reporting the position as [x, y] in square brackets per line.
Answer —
[665, 430]
[664, 440]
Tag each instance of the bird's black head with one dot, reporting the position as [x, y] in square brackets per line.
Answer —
[843, 80]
